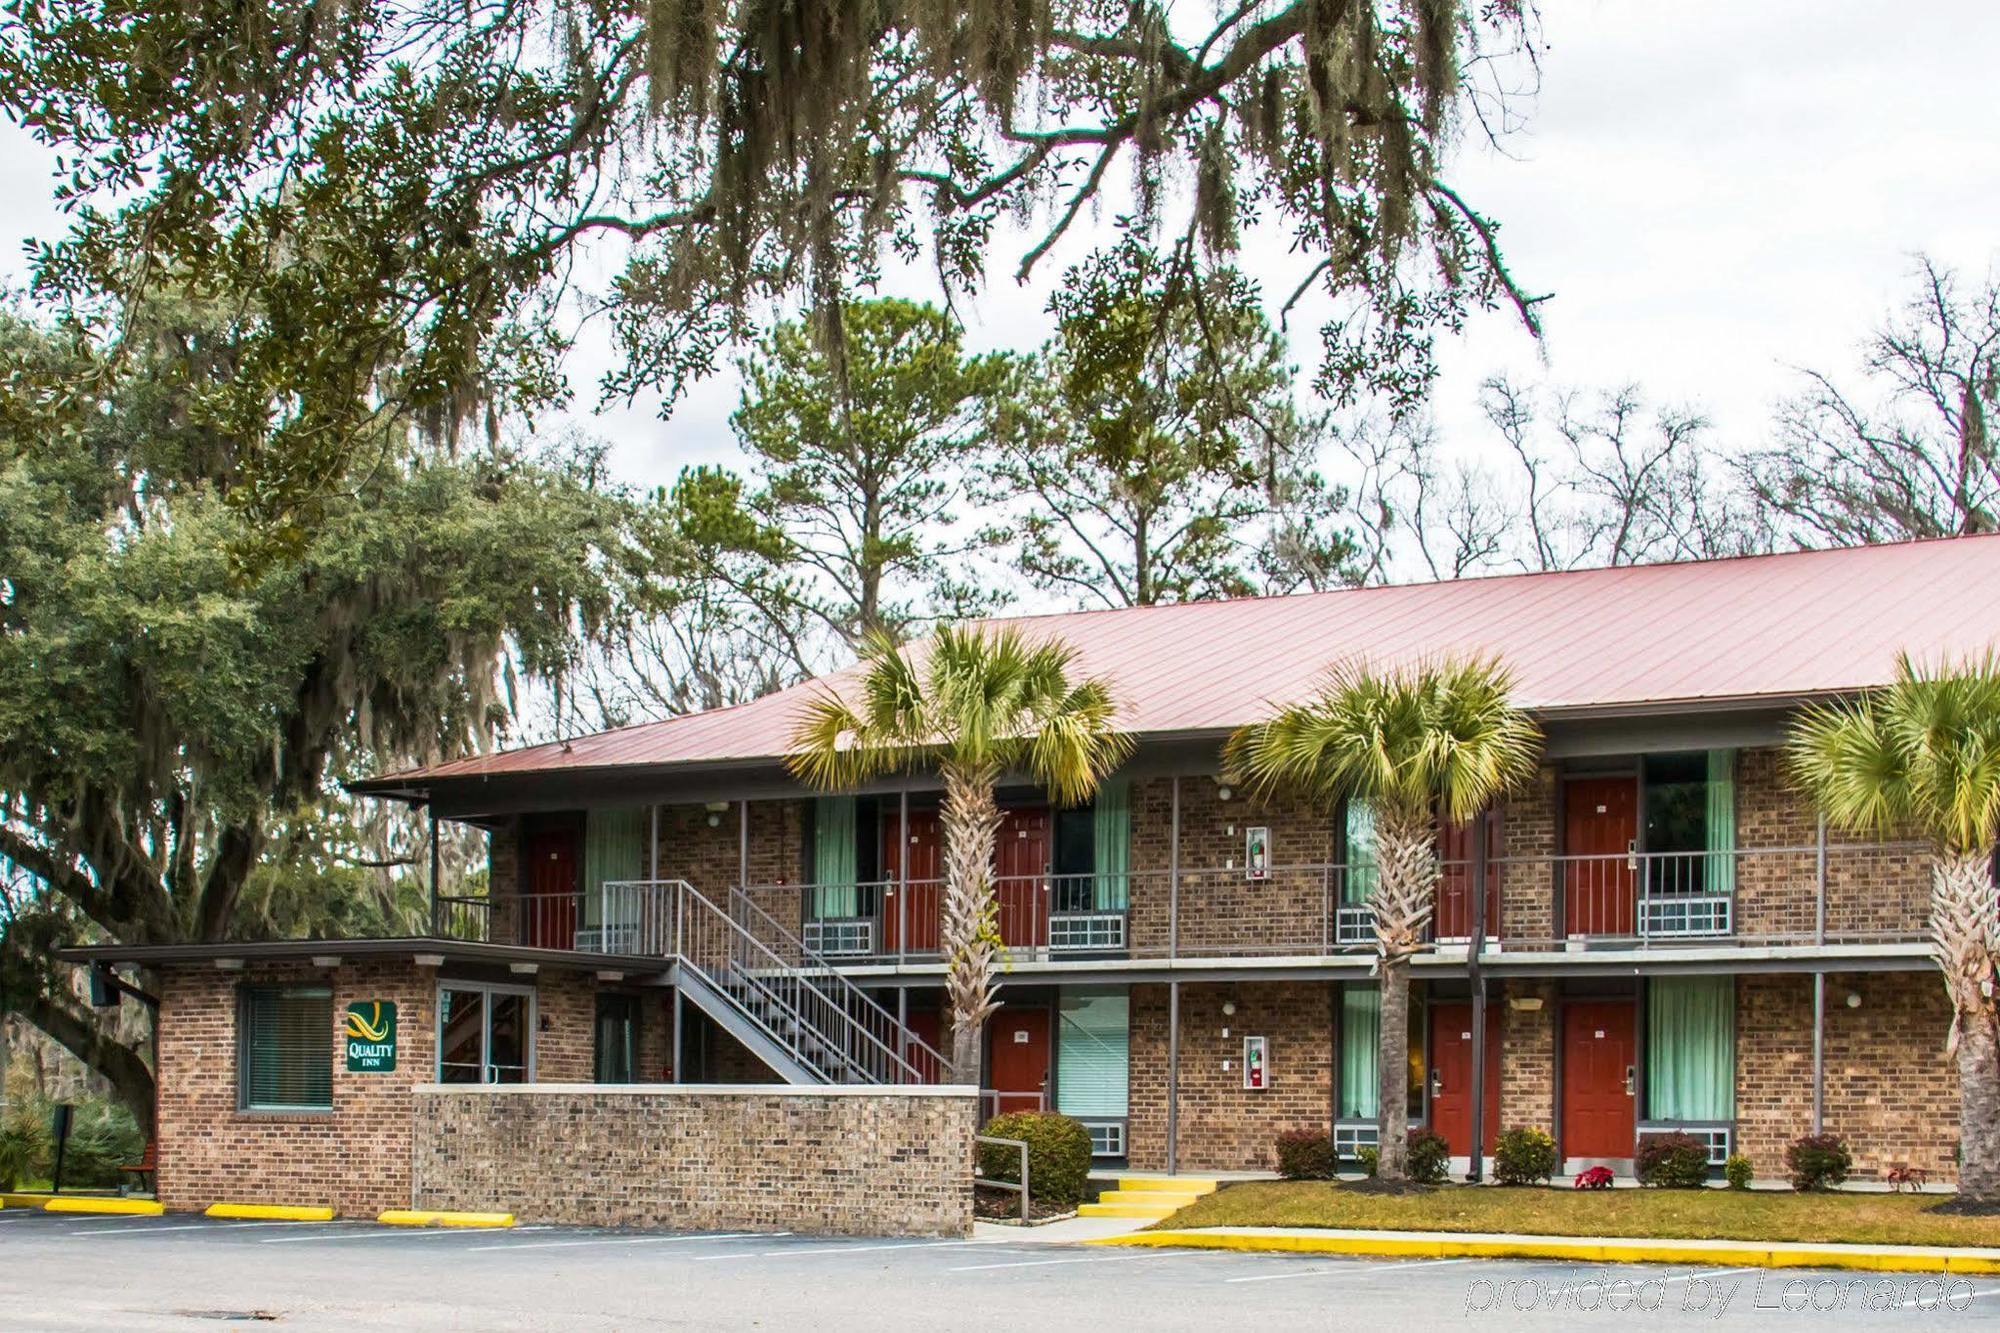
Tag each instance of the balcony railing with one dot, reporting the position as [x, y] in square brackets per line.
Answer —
[1865, 893]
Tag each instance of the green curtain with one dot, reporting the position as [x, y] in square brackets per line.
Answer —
[614, 848]
[1690, 1064]
[1720, 873]
[1359, 840]
[1112, 845]
[834, 858]
[1092, 1055]
[1360, 1041]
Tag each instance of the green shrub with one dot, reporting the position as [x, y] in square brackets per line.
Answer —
[1524, 1157]
[25, 1145]
[1737, 1171]
[1430, 1157]
[1305, 1155]
[1368, 1158]
[1674, 1161]
[1818, 1161]
[102, 1137]
[1058, 1154]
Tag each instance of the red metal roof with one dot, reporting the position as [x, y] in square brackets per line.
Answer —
[1757, 627]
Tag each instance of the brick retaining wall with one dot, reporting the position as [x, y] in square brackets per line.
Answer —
[830, 1161]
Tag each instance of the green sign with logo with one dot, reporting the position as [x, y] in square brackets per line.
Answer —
[371, 1036]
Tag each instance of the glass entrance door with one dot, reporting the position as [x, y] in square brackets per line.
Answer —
[484, 1033]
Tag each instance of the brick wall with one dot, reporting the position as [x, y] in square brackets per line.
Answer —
[1890, 1091]
[1527, 838]
[1220, 911]
[1224, 1126]
[355, 1157]
[825, 1162]
[1527, 1055]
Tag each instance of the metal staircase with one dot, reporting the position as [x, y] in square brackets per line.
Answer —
[759, 982]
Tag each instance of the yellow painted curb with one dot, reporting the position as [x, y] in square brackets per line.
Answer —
[415, 1217]
[17, 1199]
[120, 1207]
[1914, 1260]
[275, 1212]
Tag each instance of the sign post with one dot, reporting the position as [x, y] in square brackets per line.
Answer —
[370, 1035]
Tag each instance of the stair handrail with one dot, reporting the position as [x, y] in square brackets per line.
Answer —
[848, 989]
[894, 1065]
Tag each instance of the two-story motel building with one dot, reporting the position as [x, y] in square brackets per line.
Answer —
[1656, 932]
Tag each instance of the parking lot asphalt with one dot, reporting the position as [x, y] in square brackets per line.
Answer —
[178, 1272]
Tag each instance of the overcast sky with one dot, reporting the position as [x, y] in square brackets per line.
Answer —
[1714, 191]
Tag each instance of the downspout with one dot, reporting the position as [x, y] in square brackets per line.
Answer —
[1173, 1076]
[1819, 983]
[1477, 980]
[1174, 987]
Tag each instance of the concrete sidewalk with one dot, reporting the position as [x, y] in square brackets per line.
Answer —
[1581, 1249]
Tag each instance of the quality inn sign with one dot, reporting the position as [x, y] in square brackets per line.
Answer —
[371, 1036]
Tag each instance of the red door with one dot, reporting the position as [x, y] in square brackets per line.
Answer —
[912, 925]
[1021, 876]
[1451, 1076]
[1597, 1102]
[1017, 1059]
[549, 910]
[1600, 833]
[927, 1026]
[1453, 920]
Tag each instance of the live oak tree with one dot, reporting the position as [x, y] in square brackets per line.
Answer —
[409, 192]
[863, 476]
[1415, 746]
[1922, 756]
[1153, 450]
[172, 724]
[976, 705]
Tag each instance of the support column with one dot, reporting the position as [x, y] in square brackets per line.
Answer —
[677, 1036]
[436, 928]
[1477, 980]
[1819, 1053]
[653, 847]
[743, 844]
[1173, 1076]
[1174, 875]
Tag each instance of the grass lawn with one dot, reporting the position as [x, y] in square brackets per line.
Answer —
[1713, 1214]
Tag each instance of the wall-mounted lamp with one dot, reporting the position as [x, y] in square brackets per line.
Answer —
[716, 810]
[1854, 999]
[1223, 792]
[714, 819]
[1229, 1008]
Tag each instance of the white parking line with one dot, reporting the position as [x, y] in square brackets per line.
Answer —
[155, 1229]
[389, 1233]
[1033, 1263]
[845, 1249]
[202, 1226]
[628, 1240]
[1350, 1271]
[1936, 1302]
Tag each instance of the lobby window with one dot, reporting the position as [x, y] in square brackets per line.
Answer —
[617, 1039]
[285, 1060]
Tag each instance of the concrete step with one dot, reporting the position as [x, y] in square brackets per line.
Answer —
[1152, 1211]
[1147, 1197]
[1195, 1185]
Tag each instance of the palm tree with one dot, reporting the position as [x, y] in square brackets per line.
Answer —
[977, 705]
[1923, 755]
[1416, 745]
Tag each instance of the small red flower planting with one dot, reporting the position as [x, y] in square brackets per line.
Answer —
[1594, 1178]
